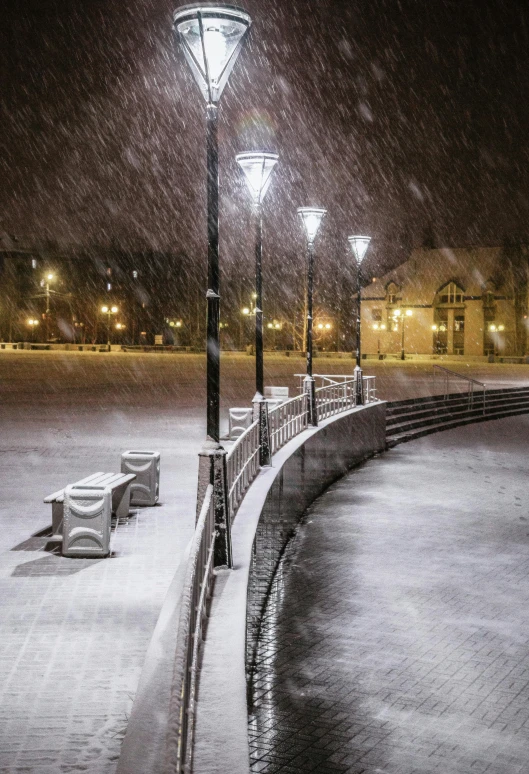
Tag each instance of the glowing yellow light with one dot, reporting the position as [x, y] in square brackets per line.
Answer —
[382, 327]
[179, 323]
[320, 325]
[328, 325]
[270, 325]
[409, 312]
[114, 309]
[492, 328]
[375, 327]
[396, 313]
[434, 327]
[246, 310]
[49, 277]
[501, 327]
[104, 309]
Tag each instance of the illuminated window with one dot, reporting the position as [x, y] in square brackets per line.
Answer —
[451, 294]
[109, 286]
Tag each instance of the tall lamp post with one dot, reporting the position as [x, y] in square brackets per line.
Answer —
[399, 315]
[312, 218]
[257, 168]
[359, 245]
[109, 311]
[46, 282]
[211, 36]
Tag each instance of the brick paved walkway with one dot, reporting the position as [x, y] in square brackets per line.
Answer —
[397, 637]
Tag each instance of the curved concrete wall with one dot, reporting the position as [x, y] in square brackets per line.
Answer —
[269, 513]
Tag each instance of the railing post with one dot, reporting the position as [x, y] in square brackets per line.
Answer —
[212, 470]
[260, 414]
[309, 387]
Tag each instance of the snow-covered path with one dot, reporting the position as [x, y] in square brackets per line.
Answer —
[397, 637]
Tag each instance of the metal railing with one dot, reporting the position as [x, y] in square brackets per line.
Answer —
[370, 390]
[335, 398]
[287, 420]
[193, 613]
[470, 384]
[242, 465]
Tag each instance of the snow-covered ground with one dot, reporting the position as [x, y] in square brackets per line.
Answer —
[74, 633]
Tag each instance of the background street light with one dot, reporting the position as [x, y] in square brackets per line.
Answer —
[311, 218]
[398, 315]
[109, 311]
[33, 326]
[359, 245]
[257, 168]
[212, 38]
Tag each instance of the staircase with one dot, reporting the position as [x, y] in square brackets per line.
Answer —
[410, 419]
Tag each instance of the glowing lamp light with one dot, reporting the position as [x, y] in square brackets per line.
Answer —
[320, 326]
[114, 309]
[435, 328]
[382, 327]
[270, 325]
[328, 325]
[396, 313]
[257, 168]
[409, 312]
[359, 245]
[104, 309]
[312, 218]
[492, 328]
[376, 327]
[246, 310]
[212, 37]
[501, 327]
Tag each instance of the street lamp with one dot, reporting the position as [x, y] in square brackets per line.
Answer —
[212, 37]
[46, 282]
[109, 311]
[397, 315]
[359, 245]
[32, 326]
[257, 168]
[312, 218]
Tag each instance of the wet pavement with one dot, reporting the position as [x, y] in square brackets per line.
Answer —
[396, 637]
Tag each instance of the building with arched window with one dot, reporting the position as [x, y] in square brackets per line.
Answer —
[464, 301]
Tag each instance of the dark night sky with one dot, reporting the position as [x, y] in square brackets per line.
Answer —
[390, 114]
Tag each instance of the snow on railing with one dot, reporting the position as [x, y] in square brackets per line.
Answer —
[242, 465]
[370, 389]
[287, 420]
[335, 398]
[193, 612]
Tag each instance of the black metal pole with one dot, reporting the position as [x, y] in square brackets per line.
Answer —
[358, 317]
[358, 368]
[310, 286]
[259, 365]
[213, 298]
[402, 355]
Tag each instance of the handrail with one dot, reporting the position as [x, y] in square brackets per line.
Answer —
[469, 379]
[193, 612]
[287, 420]
[336, 397]
[242, 465]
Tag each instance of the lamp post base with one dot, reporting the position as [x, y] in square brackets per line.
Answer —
[309, 386]
[359, 386]
[212, 470]
[260, 412]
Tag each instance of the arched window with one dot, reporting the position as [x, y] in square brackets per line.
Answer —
[451, 294]
[391, 293]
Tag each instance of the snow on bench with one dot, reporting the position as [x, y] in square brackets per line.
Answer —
[118, 483]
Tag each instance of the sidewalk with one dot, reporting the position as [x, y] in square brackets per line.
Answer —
[75, 632]
[397, 636]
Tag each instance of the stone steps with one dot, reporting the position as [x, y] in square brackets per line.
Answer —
[414, 418]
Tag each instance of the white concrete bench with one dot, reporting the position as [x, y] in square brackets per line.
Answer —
[276, 393]
[118, 483]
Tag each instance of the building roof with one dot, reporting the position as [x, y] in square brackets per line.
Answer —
[427, 271]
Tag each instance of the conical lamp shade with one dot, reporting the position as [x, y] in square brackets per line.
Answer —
[311, 217]
[212, 37]
[257, 168]
[359, 245]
